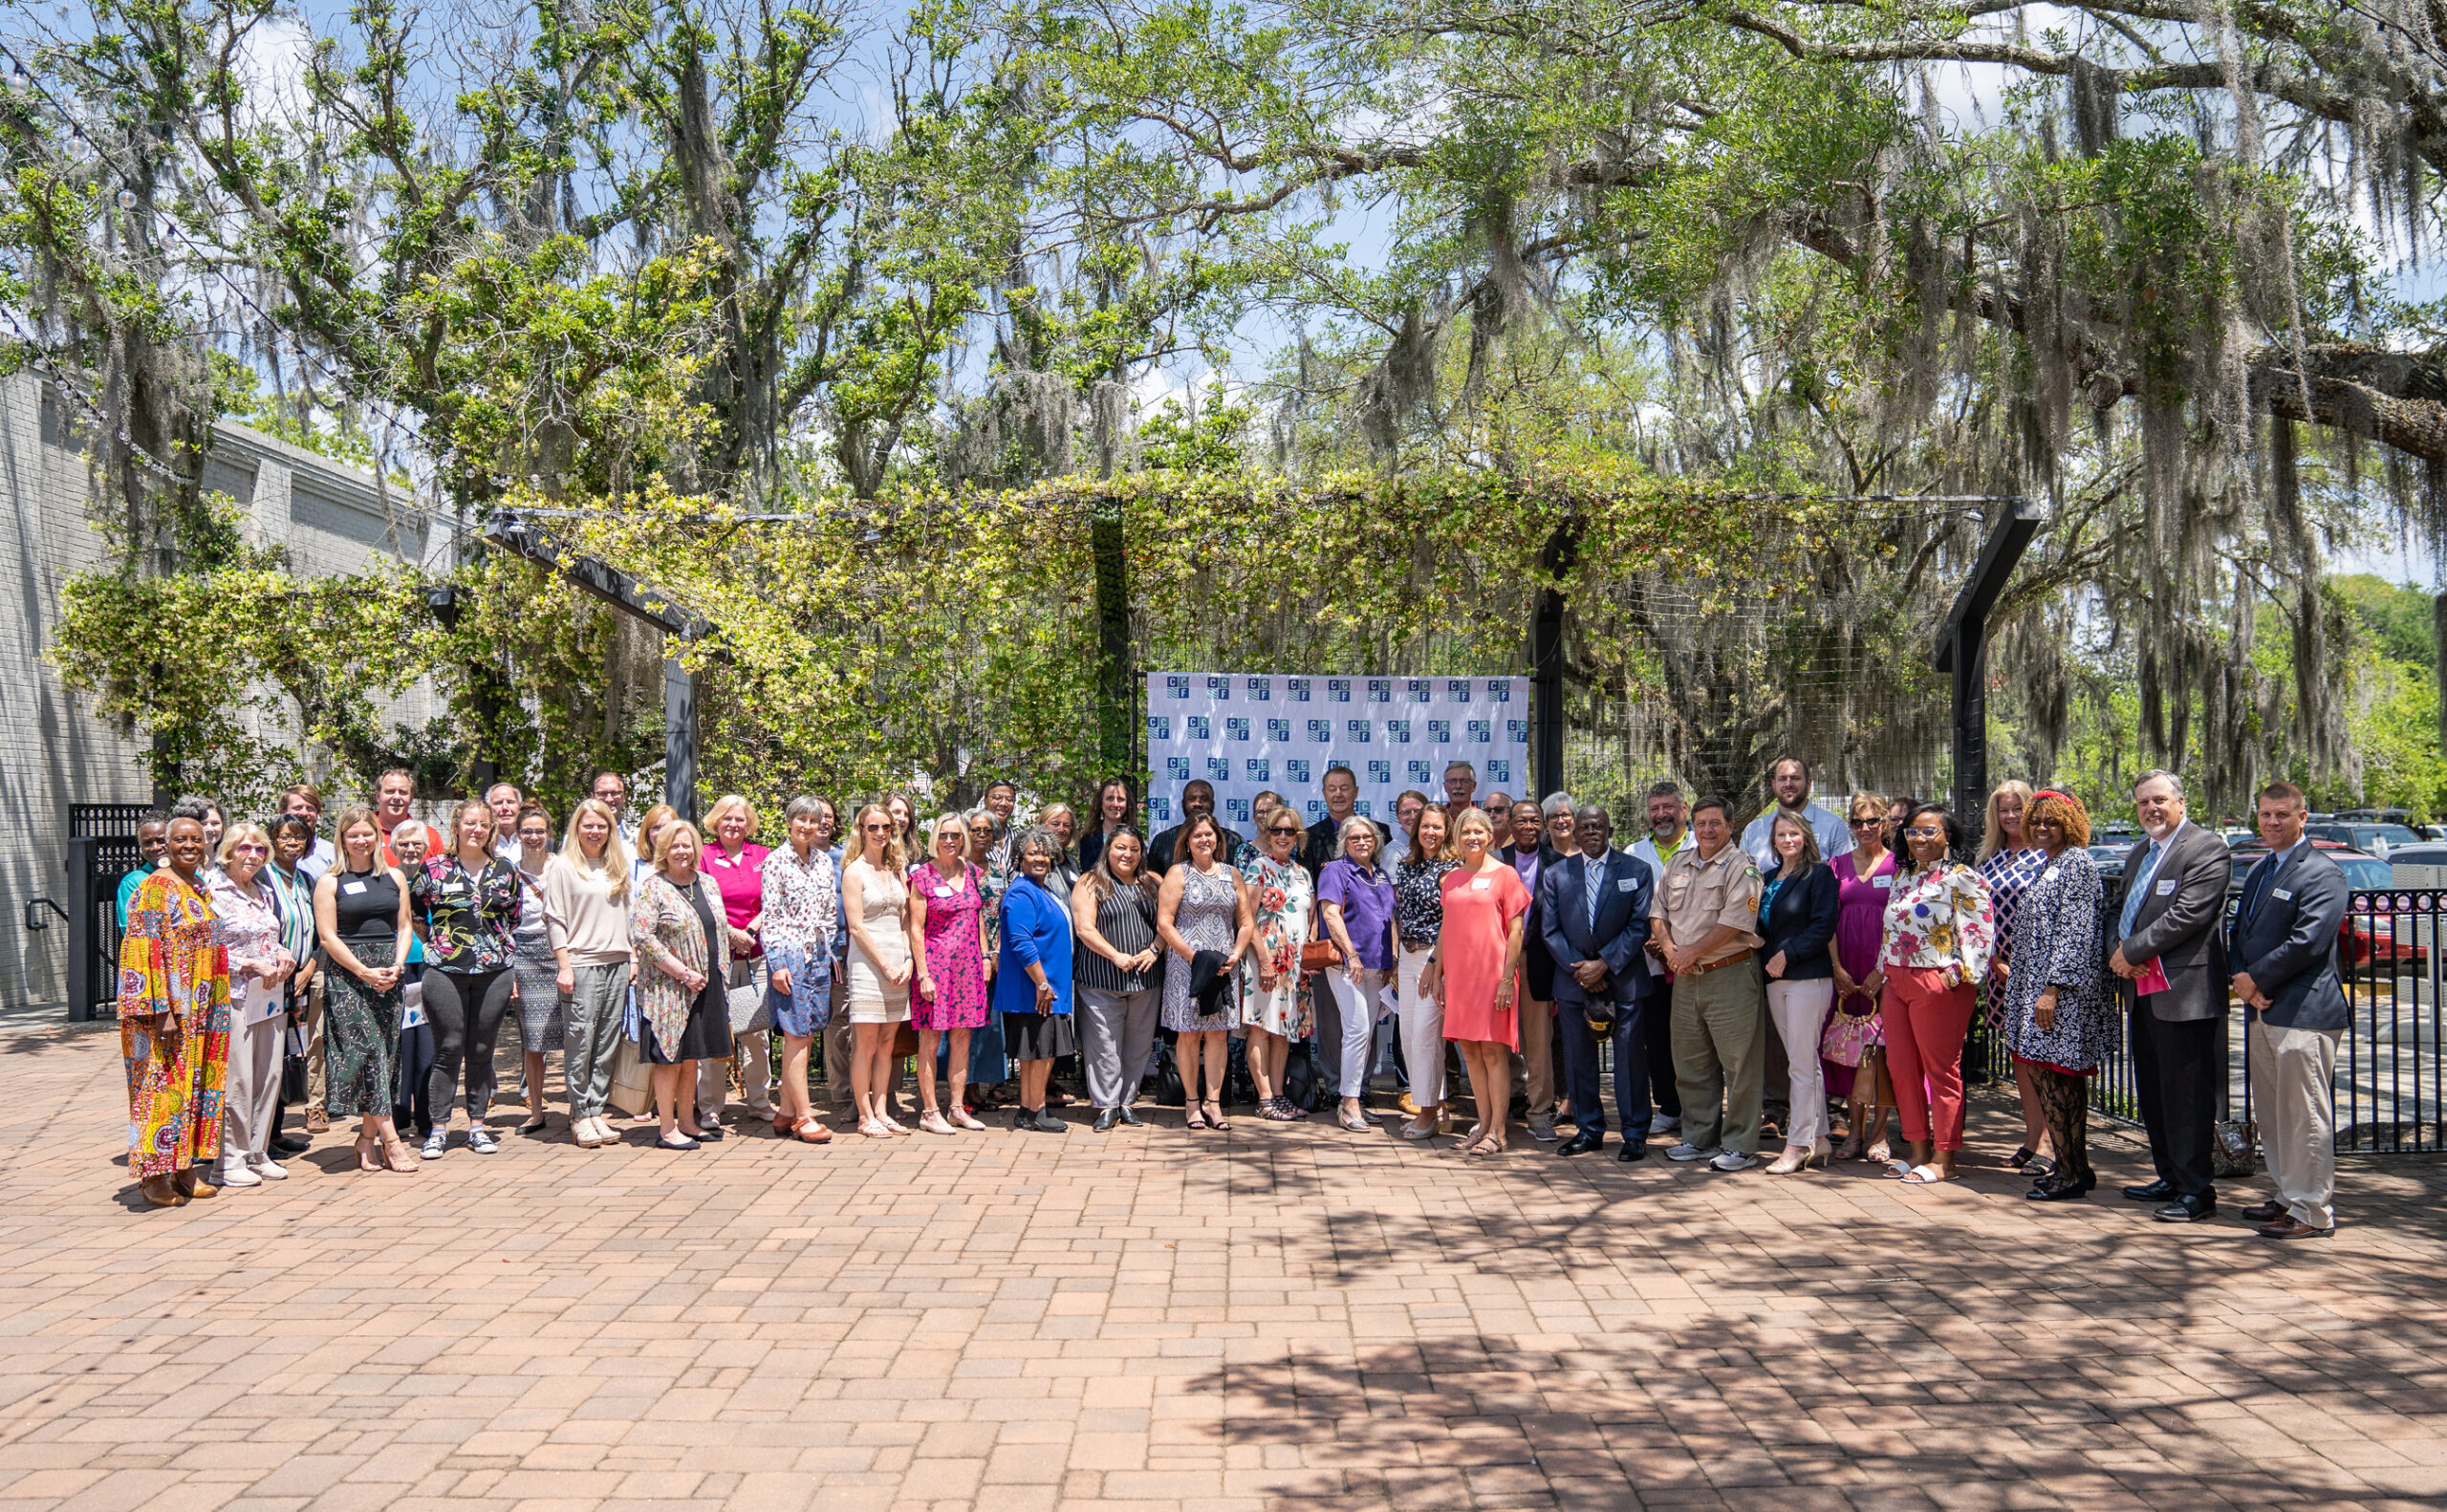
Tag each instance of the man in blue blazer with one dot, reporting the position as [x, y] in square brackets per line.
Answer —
[2282, 944]
[1594, 915]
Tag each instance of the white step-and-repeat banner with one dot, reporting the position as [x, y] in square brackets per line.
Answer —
[1247, 734]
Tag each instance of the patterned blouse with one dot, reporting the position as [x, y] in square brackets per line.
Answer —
[1938, 918]
[2007, 874]
[2058, 923]
[1419, 901]
[249, 923]
[471, 919]
[172, 958]
[802, 904]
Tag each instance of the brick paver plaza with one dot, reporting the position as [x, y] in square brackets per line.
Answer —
[1281, 1316]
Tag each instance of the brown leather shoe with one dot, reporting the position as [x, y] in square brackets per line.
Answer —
[2291, 1228]
[2265, 1212]
[191, 1184]
[162, 1192]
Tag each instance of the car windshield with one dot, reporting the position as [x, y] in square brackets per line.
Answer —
[2365, 871]
[2393, 834]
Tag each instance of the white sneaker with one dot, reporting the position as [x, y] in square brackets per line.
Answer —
[1662, 1124]
[1732, 1160]
[435, 1143]
[237, 1175]
[264, 1166]
[1687, 1151]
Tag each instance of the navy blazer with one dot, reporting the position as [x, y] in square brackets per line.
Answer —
[1619, 935]
[2289, 944]
[1801, 922]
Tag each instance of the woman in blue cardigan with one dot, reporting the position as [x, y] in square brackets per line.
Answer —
[1033, 978]
[1796, 927]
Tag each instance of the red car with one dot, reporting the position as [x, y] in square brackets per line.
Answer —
[2365, 938]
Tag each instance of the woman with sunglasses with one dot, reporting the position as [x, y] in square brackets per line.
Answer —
[1854, 1059]
[954, 974]
[1939, 931]
[1273, 1007]
[471, 903]
[875, 900]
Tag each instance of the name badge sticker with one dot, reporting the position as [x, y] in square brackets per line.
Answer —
[2167, 888]
[1884, 884]
[1479, 884]
[2281, 894]
[943, 890]
[1625, 885]
[351, 889]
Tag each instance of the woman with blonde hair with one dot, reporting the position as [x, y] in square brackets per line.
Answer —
[735, 864]
[874, 902]
[947, 909]
[676, 931]
[650, 823]
[242, 899]
[1477, 972]
[1853, 1050]
[1799, 904]
[470, 900]
[586, 917]
[1419, 920]
[2007, 862]
[361, 921]
[1355, 904]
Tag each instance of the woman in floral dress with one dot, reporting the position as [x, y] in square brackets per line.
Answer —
[1939, 931]
[2007, 862]
[2060, 1020]
[1273, 1005]
[946, 905]
[174, 1024]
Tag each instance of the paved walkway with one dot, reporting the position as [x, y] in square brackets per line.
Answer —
[1282, 1317]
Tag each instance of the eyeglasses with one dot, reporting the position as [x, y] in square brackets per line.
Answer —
[1924, 833]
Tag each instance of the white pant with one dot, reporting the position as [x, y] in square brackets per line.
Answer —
[250, 1088]
[1800, 1012]
[1361, 1007]
[2293, 1081]
[1423, 1030]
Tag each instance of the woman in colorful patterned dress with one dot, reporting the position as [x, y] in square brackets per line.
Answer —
[1203, 906]
[2007, 862]
[989, 1060]
[2060, 1021]
[946, 907]
[470, 901]
[174, 1024]
[1274, 1005]
[1940, 929]
[244, 900]
[800, 926]
[1853, 1058]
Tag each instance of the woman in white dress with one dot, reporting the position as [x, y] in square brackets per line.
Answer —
[874, 903]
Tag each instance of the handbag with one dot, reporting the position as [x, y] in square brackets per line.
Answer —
[904, 1039]
[750, 1011]
[293, 1078]
[1319, 954]
[632, 1090]
[2234, 1148]
[1847, 1036]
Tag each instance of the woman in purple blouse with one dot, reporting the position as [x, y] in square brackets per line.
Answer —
[1356, 898]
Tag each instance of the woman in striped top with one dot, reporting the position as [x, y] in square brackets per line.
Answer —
[1119, 976]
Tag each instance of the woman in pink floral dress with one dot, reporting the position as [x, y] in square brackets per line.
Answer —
[947, 902]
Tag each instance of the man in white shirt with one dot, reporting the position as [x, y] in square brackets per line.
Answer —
[1669, 830]
[1406, 811]
[504, 800]
[308, 803]
[1790, 777]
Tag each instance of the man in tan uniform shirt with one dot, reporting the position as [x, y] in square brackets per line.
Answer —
[1707, 913]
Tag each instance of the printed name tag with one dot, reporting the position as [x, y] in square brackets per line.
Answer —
[2281, 894]
[1883, 883]
[351, 889]
[2167, 888]
[1625, 885]
[1479, 884]
[946, 891]
[453, 888]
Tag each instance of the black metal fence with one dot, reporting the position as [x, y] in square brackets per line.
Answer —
[2392, 1060]
[101, 850]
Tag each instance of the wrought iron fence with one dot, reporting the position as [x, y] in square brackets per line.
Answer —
[101, 850]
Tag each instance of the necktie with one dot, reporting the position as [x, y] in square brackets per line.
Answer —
[2141, 880]
[2253, 890]
[1596, 878]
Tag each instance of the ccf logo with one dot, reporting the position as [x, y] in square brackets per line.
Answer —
[1398, 731]
[1516, 729]
[1298, 687]
[1419, 777]
[1220, 689]
[1481, 731]
[1380, 690]
[1321, 732]
[1159, 726]
[1498, 690]
[1457, 689]
[1278, 729]
[1237, 809]
[1177, 687]
[1254, 769]
[1177, 768]
[1499, 770]
[1296, 771]
[1219, 768]
[1380, 773]
[1440, 732]
[1261, 689]
[1236, 730]
[1337, 690]
[1160, 808]
[1358, 730]
[1196, 727]
[1418, 690]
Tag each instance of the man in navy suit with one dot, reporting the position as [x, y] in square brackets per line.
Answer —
[2282, 944]
[1594, 915]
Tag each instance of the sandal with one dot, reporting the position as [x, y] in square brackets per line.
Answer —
[1922, 1176]
[368, 1152]
[874, 1130]
[1485, 1147]
[1850, 1149]
[1194, 1121]
[396, 1157]
[1882, 1153]
[1215, 1119]
[961, 1120]
[2021, 1156]
[934, 1123]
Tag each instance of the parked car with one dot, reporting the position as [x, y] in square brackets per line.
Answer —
[2111, 860]
[2365, 938]
[2376, 839]
[2423, 865]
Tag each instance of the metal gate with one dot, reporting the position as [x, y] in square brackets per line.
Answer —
[101, 850]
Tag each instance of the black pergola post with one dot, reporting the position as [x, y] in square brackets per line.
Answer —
[599, 577]
[1962, 649]
[1546, 665]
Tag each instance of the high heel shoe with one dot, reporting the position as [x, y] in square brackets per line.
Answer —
[1791, 1160]
[1215, 1118]
[397, 1158]
[368, 1152]
[1820, 1153]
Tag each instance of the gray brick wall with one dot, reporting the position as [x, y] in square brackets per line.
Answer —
[52, 751]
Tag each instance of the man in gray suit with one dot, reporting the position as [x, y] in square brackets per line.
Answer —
[2174, 898]
[2283, 944]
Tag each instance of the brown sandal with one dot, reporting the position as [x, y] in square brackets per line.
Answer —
[396, 1157]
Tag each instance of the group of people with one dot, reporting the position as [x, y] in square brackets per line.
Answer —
[1817, 959]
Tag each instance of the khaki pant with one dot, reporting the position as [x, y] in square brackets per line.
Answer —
[317, 1073]
[1534, 1066]
[840, 1048]
[250, 1086]
[1718, 1062]
[2292, 1077]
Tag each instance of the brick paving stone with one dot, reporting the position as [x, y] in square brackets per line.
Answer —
[1284, 1316]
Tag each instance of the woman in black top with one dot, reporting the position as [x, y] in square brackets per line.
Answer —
[362, 918]
[1118, 974]
[469, 900]
[1796, 930]
[1114, 805]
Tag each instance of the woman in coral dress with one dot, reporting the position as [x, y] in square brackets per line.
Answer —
[1478, 965]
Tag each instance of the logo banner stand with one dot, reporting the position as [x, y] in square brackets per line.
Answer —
[1247, 734]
